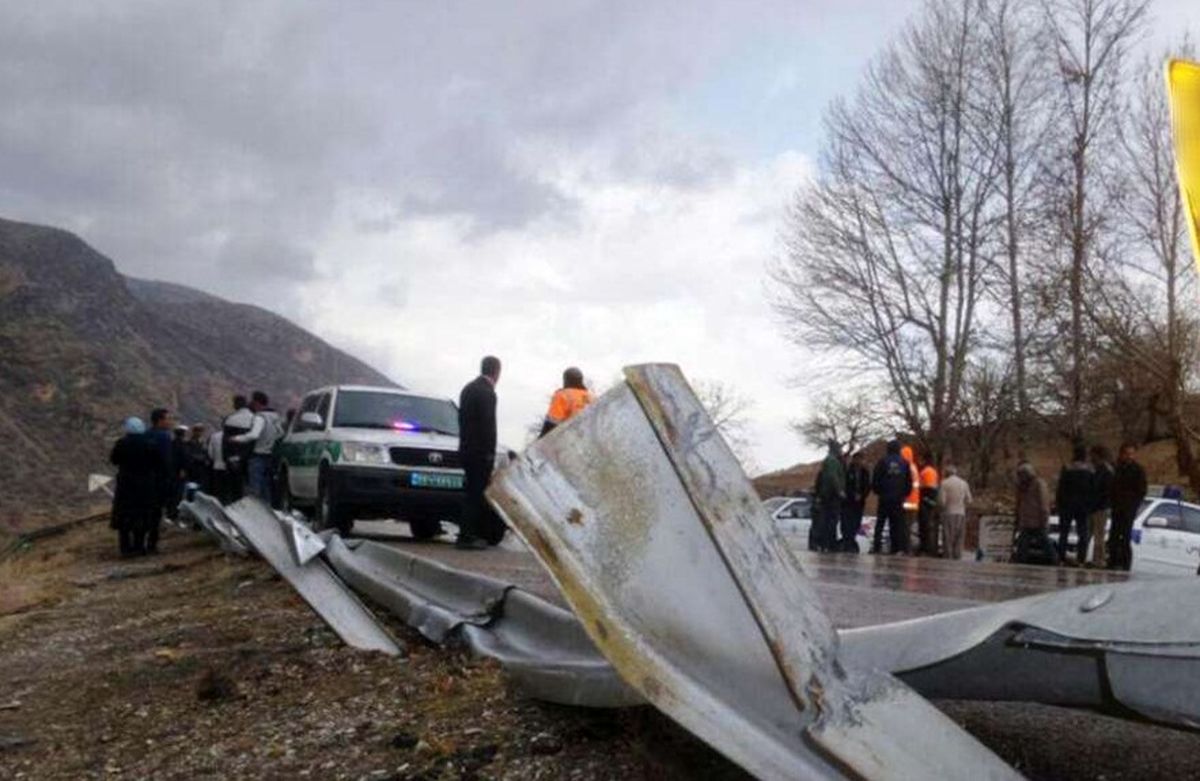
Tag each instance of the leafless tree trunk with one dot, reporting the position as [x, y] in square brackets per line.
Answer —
[1017, 85]
[886, 253]
[1088, 39]
[1136, 303]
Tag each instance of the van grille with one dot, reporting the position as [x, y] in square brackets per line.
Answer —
[420, 456]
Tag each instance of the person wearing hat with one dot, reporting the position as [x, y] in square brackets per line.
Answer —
[135, 504]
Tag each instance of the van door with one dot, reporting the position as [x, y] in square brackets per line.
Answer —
[1160, 538]
[303, 450]
[1187, 553]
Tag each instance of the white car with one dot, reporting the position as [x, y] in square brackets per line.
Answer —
[358, 452]
[1166, 537]
[792, 515]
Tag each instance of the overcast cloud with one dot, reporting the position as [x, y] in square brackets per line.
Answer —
[591, 183]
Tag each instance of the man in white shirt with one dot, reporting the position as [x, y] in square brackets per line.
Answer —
[954, 496]
[264, 432]
[218, 481]
[234, 454]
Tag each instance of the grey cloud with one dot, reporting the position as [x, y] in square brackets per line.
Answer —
[163, 129]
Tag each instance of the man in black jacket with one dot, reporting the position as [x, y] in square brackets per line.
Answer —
[1074, 497]
[858, 487]
[1128, 491]
[478, 525]
[892, 482]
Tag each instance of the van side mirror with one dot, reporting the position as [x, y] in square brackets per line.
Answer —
[1156, 522]
[311, 420]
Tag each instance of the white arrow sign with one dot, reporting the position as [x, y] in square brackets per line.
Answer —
[100, 482]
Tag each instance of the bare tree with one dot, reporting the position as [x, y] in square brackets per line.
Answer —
[728, 410]
[1088, 40]
[987, 412]
[851, 421]
[885, 253]
[1016, 94]
[1137, 300]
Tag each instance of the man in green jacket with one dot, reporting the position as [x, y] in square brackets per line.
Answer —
[830, 492]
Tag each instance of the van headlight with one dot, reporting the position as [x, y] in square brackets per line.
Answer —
[364, 453]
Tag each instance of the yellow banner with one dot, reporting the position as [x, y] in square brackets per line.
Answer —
[1183, 89]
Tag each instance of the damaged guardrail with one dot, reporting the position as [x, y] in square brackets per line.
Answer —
[291, 552]
[1132, 645]
[542, 648]
[644, 518]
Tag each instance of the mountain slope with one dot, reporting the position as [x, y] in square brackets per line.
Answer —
[82, 347]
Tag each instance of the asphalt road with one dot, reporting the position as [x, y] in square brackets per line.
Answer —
[858, 590]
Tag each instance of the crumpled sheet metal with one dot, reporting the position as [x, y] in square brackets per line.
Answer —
[541, 647]
[208, 514]
[314, 581]
[645, 520]
[1132, 645]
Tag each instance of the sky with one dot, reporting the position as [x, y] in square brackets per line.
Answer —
[556, 182]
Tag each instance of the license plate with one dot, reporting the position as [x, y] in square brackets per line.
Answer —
[435, 480]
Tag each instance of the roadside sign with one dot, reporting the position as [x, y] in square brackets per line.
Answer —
[1183, 93]
[996, 537]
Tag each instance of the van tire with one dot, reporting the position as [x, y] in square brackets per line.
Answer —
[329, 514]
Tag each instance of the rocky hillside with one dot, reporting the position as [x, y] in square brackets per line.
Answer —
[83, 347]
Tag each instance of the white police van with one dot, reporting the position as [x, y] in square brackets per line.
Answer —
[359, 452]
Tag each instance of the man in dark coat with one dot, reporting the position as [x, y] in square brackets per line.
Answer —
[892, 482]
[1074, 496]
[830, 491]
[162, 438]
[858, 487]
[478, 526]
[136, 498]
[1128, 491]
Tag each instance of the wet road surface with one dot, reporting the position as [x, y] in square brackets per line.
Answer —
[858, 590]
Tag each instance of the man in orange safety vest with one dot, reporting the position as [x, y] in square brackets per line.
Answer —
[568, 401]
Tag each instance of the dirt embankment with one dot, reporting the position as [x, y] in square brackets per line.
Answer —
[195, 665]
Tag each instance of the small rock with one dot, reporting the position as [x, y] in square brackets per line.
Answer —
[404, 740]
[212, 686]
[10, 742]
[545, 744]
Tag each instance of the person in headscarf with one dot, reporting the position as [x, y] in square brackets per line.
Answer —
[136, 500]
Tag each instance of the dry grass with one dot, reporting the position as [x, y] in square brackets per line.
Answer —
[36, 576]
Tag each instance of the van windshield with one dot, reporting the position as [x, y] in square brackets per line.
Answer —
[395, 412]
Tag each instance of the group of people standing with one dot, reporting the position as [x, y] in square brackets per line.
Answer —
[907, 489]
[1093, 496]
[155, 463]
[150, 463]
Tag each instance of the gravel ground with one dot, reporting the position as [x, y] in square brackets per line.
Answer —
[196, 665]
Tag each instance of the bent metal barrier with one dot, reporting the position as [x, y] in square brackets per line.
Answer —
[541, 647]
[644, 518]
